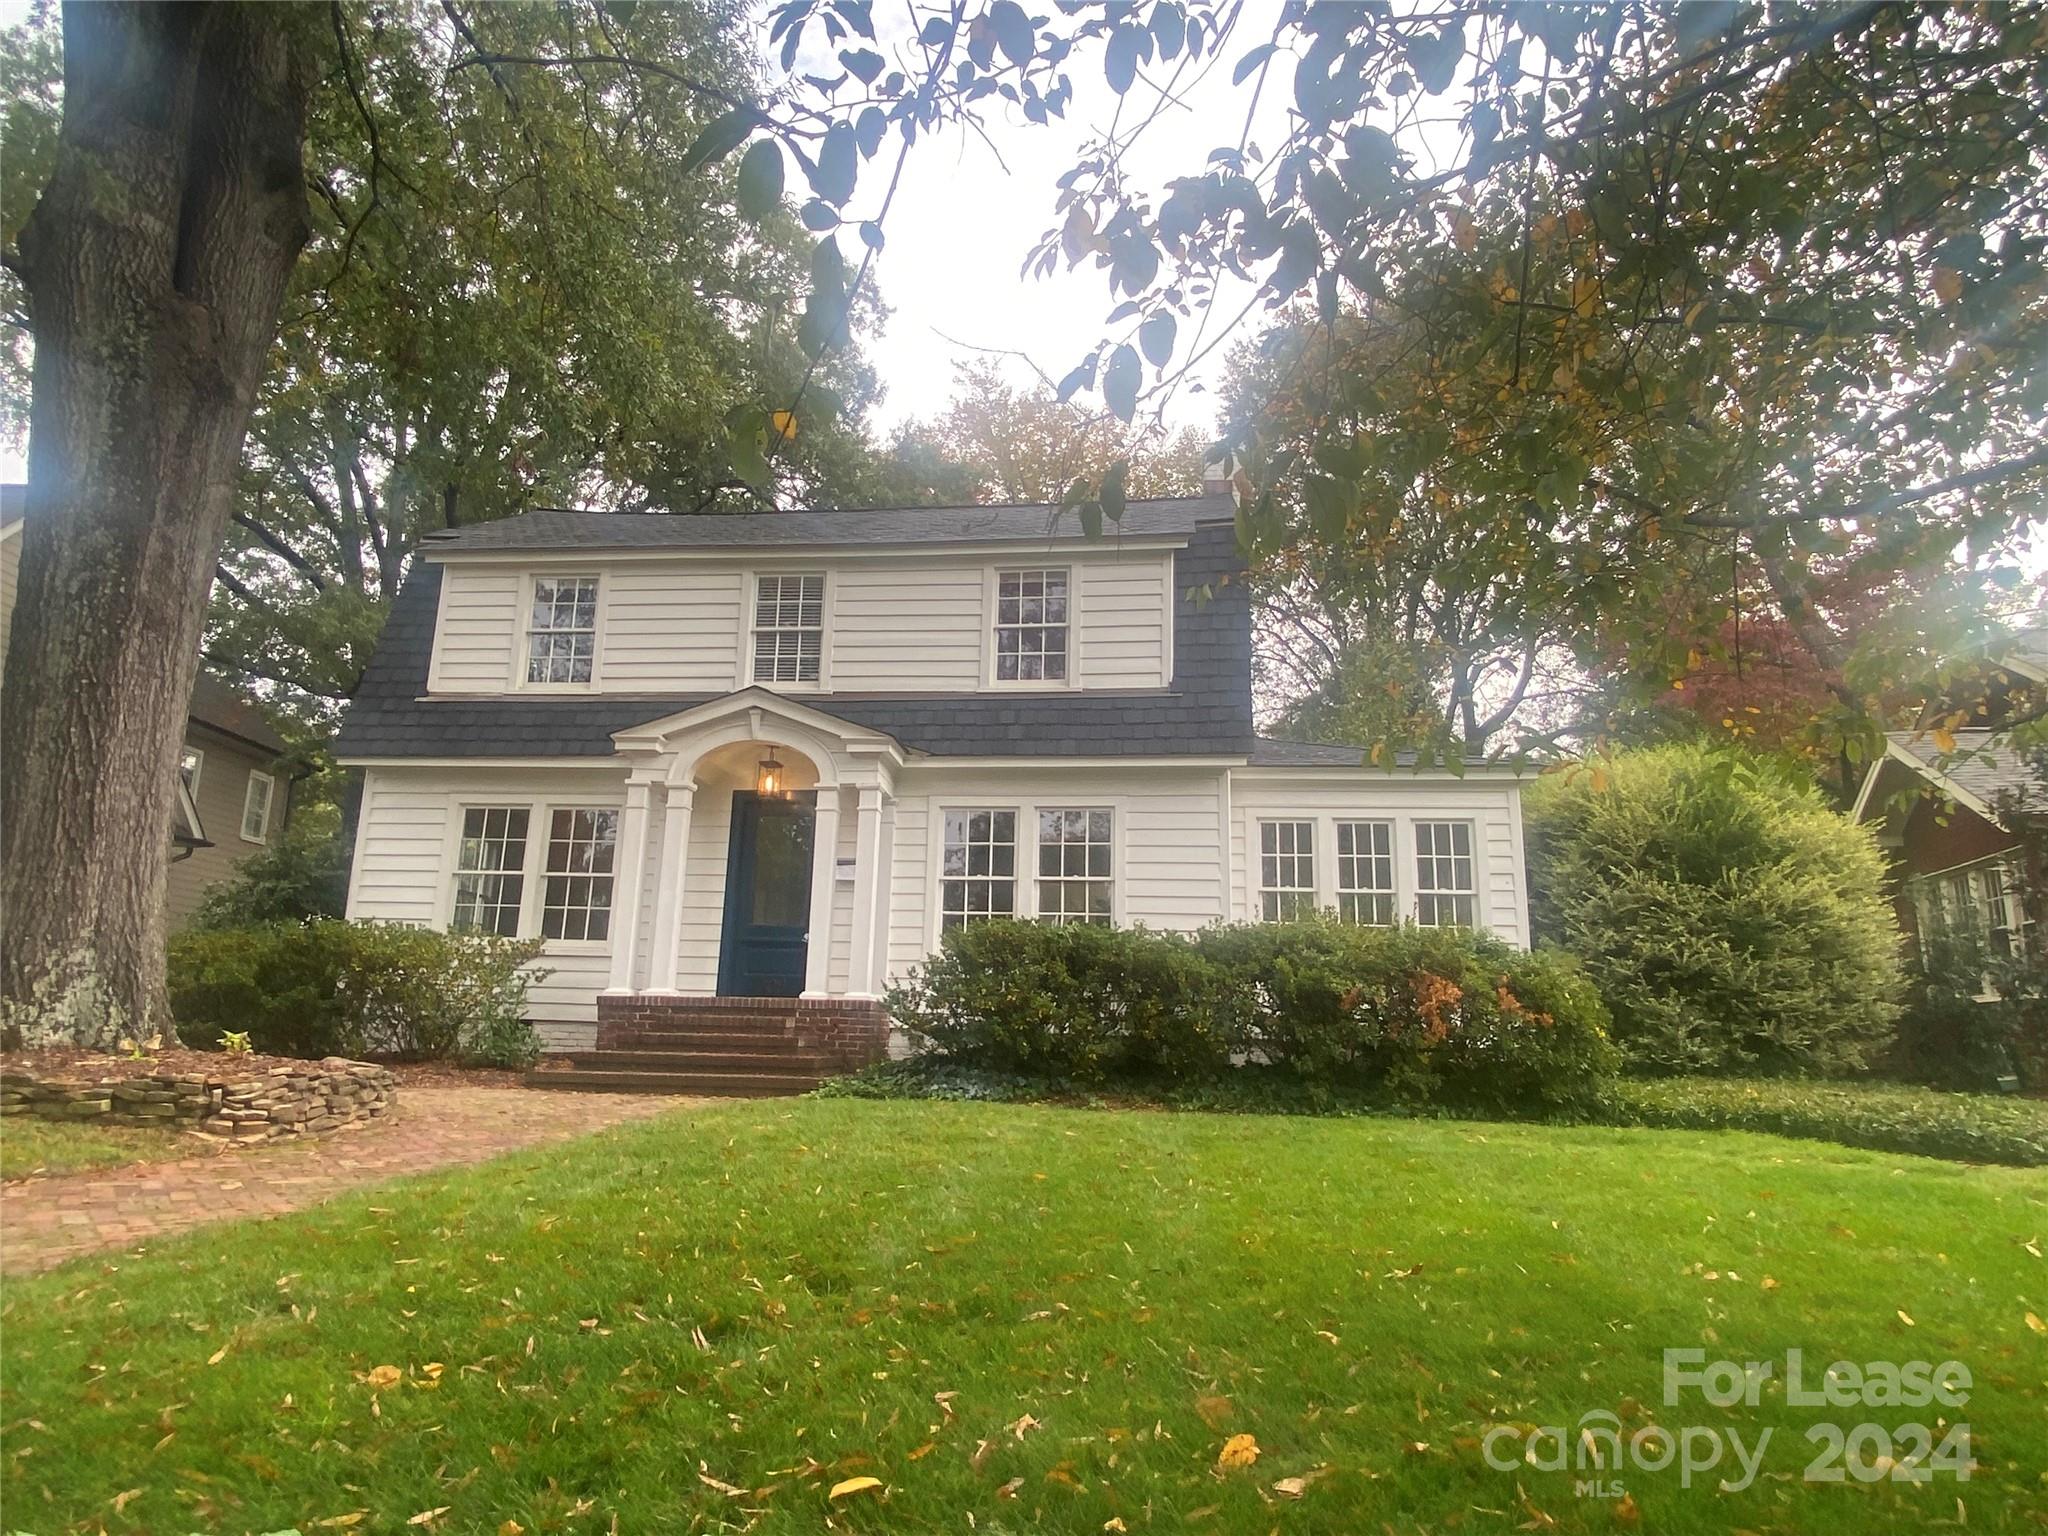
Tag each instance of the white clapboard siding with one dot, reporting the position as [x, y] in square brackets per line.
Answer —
[1490, 804]
[1126, 611]
[671, 629]
[902, 627]
[474, 640]
[401, 838]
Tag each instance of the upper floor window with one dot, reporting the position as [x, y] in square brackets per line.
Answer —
[190, 761]
[1074, 880]
[978, 878]
[789, 628]
[561, 638]
[1287, 870]
[1446, 895]
[256, 808]
[1365, 872]
[490, 870]
[1031, 626]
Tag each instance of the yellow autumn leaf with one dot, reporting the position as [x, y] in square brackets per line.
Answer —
[1238, 1451]
[2036, 1324]
[428, 1516]
[511, 1528]
[384, 1376]
[1906, 1320]
[1944, 740]
[217, 1356]
[1291, 1487]
[123, 1500]
[784, 424]
[852, 1485]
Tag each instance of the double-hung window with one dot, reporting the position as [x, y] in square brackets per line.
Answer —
[789, 628]
[978, 876]
[561, 635]
[256, 808]
[1446, 890]
[1365, 872]
[490, 870]
[1074, 879]
[190, 761]
[1031, 626]
[1287, 870]
[576, 896]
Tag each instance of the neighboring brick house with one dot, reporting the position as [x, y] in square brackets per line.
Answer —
[1947, 817]
[233, 794]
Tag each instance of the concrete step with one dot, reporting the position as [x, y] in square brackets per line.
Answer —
[783, 1059]
[742, 1085]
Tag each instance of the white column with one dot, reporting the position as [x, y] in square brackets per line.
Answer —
[824, 871]
[885, 885]
[867, 857]
[632, 873]
[668, 900]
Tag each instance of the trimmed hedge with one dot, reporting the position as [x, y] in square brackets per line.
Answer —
[1415, 1016]
[1732, 922]
[335, 988]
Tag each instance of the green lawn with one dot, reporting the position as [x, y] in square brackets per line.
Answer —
[29, 1145]
[1034, 1317]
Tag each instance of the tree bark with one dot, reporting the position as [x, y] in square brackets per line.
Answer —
[156, 263]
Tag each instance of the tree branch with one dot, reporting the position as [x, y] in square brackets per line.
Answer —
[284, 552]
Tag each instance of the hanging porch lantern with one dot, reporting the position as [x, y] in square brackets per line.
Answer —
[769, 783]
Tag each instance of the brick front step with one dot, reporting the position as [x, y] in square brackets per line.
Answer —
[742, 1085]
[703, 1040]
[769, 1061]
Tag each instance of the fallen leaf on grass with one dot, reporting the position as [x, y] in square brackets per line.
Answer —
[1907, 1320]
[217, 1356]
[353, 1517]
[923, 1450]
[122, 1500]
[1023, 1426]
[428, 1516]
[384, 1376]
[1238, 1451]
[853, 1485]
[725, 1488]
[1114, 1523]
[2036, 1324]
[1295, 1487]
[511, 1528]
[1009, 1489]
[1214, 1409]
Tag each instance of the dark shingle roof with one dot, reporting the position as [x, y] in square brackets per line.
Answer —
[1269, 752]
[1984, 764]
[1177, 517]
[1206, 711]
[217, 705]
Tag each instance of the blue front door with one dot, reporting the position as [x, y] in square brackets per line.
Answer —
[767, 897]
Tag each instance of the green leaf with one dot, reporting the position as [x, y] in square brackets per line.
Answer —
[1252, 61]
[760, 181]
[1113, 494]
[1091, 519]
[1013, 31]
[871, 234]
[1120, 59]
[819, 216]
[724, 135]
[838, 165]
[1156, 337]
[1120, 383]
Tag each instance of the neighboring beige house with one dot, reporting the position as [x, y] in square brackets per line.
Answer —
[233, 795]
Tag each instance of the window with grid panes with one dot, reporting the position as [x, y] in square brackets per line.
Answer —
[789, 628]
[1074, 879]
[1445, 893]
[490, 870]
[1365, 872]
[576, 896]
[561, 636]
[1031, 626]
[1287, 870]
[978, 872]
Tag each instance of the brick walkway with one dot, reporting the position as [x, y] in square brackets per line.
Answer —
[45, 1221]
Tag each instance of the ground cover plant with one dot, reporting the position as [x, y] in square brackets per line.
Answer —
[31, 1146]
[1037, 1318]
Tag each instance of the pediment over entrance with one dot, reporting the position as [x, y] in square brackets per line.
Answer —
[840, 751]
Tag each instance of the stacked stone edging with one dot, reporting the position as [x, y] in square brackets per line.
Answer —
[253, 1105]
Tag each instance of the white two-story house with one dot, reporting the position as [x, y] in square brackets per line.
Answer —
[776, 756]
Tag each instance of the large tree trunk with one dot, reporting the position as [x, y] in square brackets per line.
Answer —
[155, 263]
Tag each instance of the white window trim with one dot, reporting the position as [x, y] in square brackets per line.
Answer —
[1250, 908]
[522, 630]
[750, 594]
[991, 580]
[198, 769]
[1027, 848]
[269, 783]
[1973, 871]
[1337, 888]
[533, 870]
[1255, 852]
[1478, 891]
